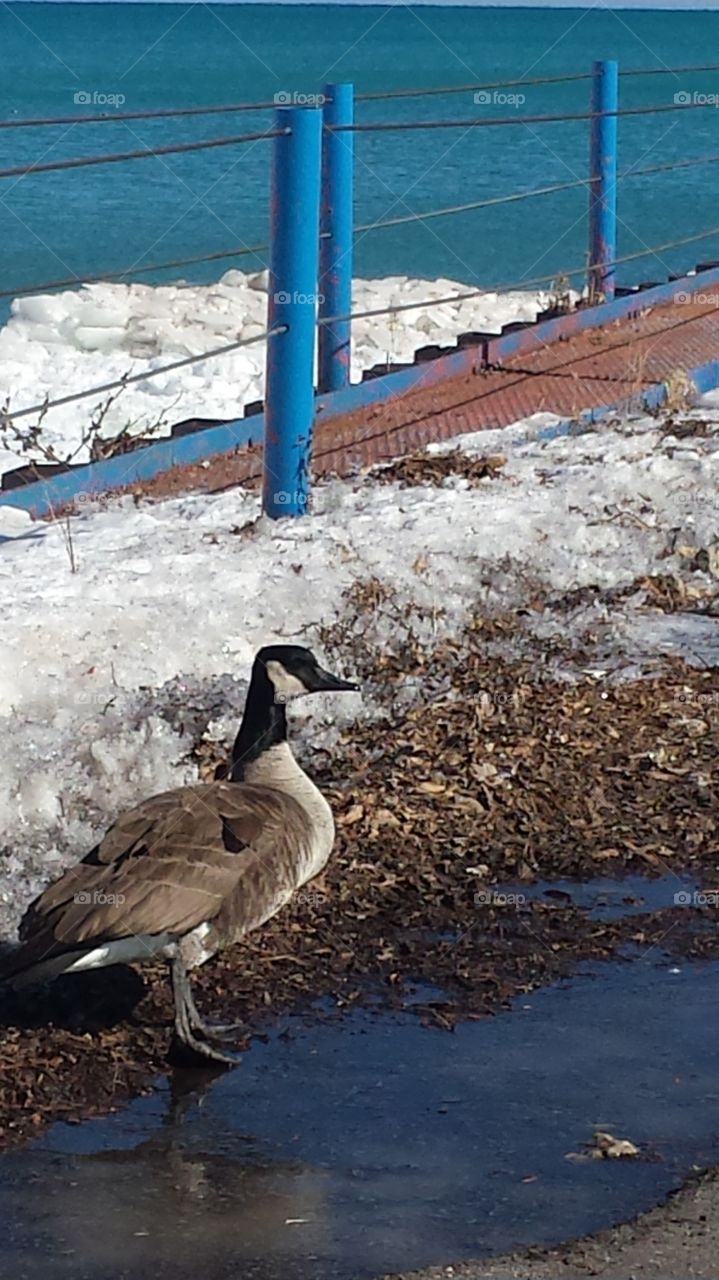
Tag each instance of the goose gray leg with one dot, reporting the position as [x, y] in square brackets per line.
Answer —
[187, 1017]
[210, 1030]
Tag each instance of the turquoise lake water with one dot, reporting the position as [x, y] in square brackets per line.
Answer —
[158, 55]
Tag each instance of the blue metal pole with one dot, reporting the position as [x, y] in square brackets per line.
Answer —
[292, 300]
[334, 340]
[603, 182]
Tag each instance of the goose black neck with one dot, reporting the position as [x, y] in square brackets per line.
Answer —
[264, 724]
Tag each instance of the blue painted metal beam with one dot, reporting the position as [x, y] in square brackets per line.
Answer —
[705, 377]
[292, 303]
[41, 497]
[603, 181]
[45, 496]
[336, 241]
[493, 350]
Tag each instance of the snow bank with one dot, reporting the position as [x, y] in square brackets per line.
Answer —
[58, 344]
[103, 668]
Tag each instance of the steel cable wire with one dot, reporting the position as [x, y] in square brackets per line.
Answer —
[533, 82]
[397, 126]
[175, 148]
[76, 281]
[160, 113]
[520, 285]
[11, 415]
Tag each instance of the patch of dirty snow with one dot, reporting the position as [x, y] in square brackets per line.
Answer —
[169, 601]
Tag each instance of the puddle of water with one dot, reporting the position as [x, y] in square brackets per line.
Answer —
[371, 1144]
[605, 898]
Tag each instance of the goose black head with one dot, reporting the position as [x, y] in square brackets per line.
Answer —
[294, 671]
[280, 672]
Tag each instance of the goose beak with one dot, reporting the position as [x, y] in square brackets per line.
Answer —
[325, 682]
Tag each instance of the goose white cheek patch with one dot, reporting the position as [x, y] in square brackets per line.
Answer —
[286, 685]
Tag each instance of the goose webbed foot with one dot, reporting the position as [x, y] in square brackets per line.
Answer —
[221, 1031]
[191, 1029]
[202, 1048]
[209, 1030]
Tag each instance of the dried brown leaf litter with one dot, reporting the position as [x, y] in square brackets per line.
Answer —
[423, 468]
[604, 1146]
[497, 775]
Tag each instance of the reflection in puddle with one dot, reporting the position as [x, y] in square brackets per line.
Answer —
[370, 1144]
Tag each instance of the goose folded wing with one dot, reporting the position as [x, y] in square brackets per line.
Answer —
[164, 867]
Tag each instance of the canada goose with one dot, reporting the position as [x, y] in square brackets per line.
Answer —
[191, 871]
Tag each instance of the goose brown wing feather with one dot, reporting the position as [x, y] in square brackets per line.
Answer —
[168, 865]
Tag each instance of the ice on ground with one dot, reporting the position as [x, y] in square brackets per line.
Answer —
[59, 344]
[106, 671]
[14, 523]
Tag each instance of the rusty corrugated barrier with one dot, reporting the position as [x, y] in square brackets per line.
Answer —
[588, 370]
